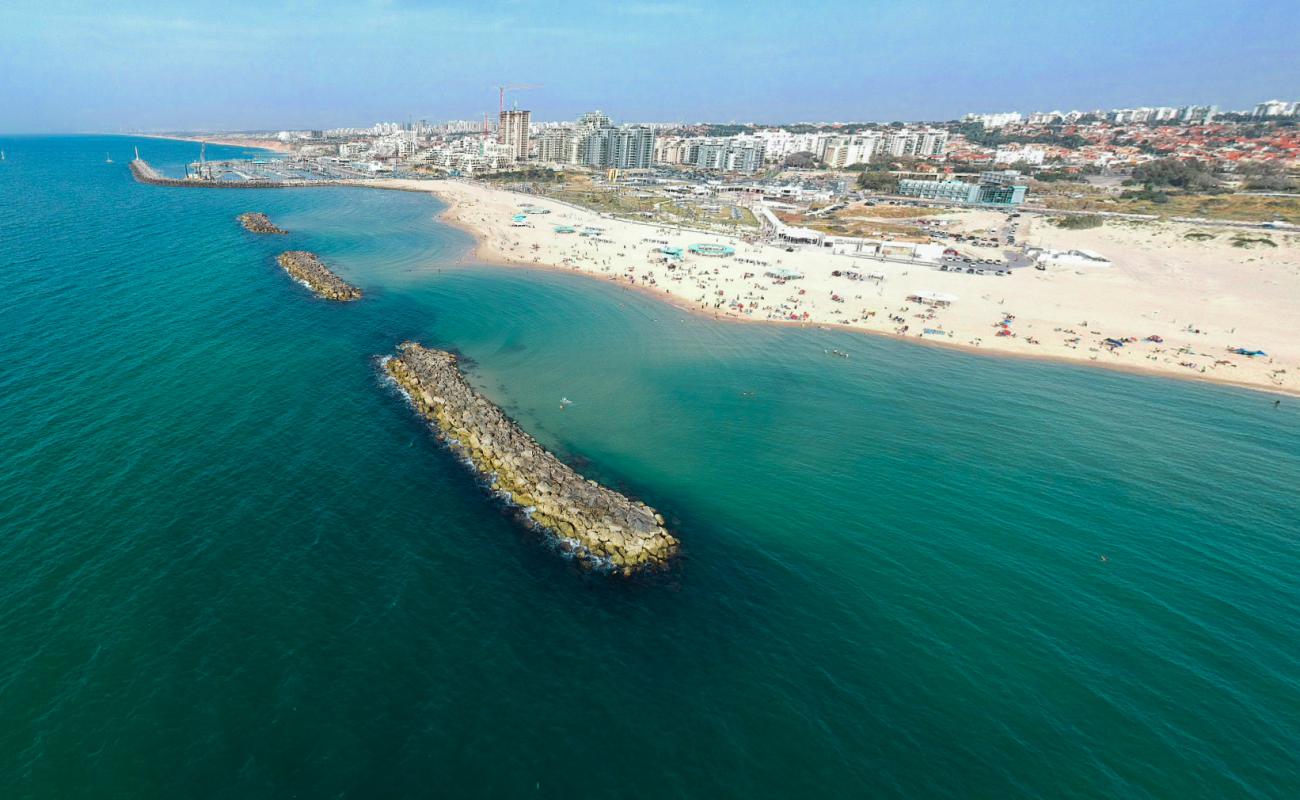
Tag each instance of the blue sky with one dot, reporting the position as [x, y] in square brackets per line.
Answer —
[106, 66]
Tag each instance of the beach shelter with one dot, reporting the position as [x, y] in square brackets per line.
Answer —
[933, 298]
[794, 234]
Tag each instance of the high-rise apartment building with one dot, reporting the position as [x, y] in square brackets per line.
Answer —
[671, 150]
[628, 147]
[593, 120]
[839, 152]
[558, 145]
[735, 154]
[514, 132]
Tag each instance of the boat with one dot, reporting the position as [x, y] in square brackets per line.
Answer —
[108, 159]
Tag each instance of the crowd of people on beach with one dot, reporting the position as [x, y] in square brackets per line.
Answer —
[752, 281]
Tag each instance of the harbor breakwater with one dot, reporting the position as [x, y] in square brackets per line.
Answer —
[308, 268]
[144, 173]
[601, 527]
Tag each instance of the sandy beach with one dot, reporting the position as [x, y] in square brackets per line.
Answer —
[1199, 296]
[261, 143]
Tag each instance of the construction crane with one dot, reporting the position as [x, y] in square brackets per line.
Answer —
[513, 87]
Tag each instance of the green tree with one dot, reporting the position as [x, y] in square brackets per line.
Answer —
[1188, 174]
[803, 160]
[878, 182]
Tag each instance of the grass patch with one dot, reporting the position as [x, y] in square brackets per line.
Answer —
[897, 212]
[1078, 222]
[1238, 207]
[1198, 236]
[1247, 241]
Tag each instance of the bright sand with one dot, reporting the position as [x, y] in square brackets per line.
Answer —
[1201, 296]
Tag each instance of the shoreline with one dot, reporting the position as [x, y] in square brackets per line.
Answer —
[934, 342]
[493, 245]
[274, 145]
[483, 252]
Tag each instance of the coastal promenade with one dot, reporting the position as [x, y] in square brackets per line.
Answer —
[600, 527]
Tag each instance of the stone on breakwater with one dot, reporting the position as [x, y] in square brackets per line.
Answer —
[309, 269]
[601, 525]
[257, 222]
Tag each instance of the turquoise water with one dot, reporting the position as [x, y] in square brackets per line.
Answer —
[233, 564]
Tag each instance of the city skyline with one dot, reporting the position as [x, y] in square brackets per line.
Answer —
[68, 68]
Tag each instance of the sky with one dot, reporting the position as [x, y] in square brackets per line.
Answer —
[237, 65]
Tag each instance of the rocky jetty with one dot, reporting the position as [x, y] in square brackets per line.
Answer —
[257, 222]
[601, 527]
[309, 269]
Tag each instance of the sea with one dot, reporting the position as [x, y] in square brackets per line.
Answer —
[234, 564]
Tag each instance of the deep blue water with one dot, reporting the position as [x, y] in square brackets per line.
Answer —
[233, 564]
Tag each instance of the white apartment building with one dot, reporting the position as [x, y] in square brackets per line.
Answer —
[994, 120]
[1203, 115]
[928, 143]
[1011, 154]
[558, 145]
[672, 150]
[1276, 108]
[401, 145]
[353, 149]
[839, 152]
[779, 143]
[727, 154]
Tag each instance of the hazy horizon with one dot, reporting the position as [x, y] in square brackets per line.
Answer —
[76, 67]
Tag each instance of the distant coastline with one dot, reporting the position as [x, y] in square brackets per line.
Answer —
[259, 143]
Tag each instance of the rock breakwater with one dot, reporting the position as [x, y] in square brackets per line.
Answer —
[600, 526]
[257, 222]
[309, 269]
[144, 173]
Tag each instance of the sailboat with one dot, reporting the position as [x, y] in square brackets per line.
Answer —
[2, 155]
[108, 159]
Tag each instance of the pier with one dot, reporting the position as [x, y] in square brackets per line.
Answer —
[599, 526]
